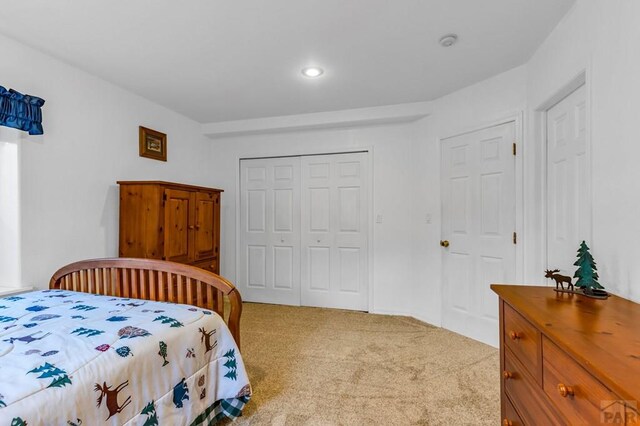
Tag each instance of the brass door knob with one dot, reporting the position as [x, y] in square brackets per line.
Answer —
[514, 335]
[507, 375]
[565, 390]
[507, 422]
[444, 243]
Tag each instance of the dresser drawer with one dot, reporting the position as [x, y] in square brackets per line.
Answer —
[571, 388]
[526, 395]
[511, 417]
[523, 339]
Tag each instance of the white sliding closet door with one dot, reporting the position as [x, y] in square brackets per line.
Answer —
[568, 178]
[334, 231]
[304, 231]
[270, 230]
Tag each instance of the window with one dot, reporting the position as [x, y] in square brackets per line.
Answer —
[9, 209]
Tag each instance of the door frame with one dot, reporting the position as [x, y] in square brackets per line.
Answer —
[517, 117]
[278, 153]
[540, 171]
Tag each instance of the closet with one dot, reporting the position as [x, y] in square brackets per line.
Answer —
[304, 227]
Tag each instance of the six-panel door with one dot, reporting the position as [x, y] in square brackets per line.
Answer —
[568, 181]
[478, 221]
[270, 230]
[334, 231]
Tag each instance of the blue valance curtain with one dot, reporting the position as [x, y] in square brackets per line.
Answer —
[21, 111]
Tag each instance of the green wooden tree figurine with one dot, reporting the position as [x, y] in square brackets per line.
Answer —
[587, 273]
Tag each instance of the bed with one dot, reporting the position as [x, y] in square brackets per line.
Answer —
[122, 341]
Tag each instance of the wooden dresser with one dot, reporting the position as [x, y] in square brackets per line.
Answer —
[567, 359]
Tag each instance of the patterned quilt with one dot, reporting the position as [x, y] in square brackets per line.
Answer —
[70, 358]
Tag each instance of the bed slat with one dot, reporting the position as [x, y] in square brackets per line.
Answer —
[151, 279]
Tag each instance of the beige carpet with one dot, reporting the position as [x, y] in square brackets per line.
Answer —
[311, 366]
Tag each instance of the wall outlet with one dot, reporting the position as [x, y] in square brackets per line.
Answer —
[379, 218]
[427, 218]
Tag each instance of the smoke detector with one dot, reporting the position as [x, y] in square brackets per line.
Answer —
[448, 40]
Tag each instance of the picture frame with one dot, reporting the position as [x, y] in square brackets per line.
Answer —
[153, 144]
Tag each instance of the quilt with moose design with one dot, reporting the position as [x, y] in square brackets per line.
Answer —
[69, 358]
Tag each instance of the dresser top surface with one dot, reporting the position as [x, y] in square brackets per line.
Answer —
[602, 335]
[168, 184]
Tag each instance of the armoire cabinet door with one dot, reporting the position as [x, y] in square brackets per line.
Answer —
[178, 223]
[205, 244]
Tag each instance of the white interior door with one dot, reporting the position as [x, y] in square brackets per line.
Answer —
[334, 231]
[568, 181]
[270, 230]
[478, 221]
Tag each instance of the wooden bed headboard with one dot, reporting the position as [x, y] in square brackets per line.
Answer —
[151, 279]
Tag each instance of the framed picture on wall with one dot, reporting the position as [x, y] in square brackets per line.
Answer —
[153, 144]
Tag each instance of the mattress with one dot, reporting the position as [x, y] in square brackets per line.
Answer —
[73, 358]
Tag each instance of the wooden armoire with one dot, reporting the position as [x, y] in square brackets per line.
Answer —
[170, 221]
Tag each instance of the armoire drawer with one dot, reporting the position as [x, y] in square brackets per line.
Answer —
[210, 265]
[571, 388]
[523, 339]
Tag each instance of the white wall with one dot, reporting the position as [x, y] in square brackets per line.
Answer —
[9, 209]
[603, 38]
[406, 186]
[69, 198]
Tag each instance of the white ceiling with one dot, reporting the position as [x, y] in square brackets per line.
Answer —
[215, 60]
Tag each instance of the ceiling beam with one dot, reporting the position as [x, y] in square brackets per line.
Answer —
[402, 113]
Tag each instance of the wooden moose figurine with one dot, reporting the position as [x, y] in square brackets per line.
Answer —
[559, 279]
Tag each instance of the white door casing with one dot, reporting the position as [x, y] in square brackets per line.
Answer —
[479, 221]
[335, 231]
[270, 230]
[568, 181]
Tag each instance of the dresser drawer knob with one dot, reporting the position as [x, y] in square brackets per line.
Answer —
[507, 422]
[565, 390]
[514, 335]
[507, 375]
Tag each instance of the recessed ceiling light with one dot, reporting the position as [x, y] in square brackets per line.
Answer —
[448, 40]
[312, 72]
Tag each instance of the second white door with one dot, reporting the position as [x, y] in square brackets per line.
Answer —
[304, 231]
[478, 224]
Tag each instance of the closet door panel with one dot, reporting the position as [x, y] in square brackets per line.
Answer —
[270, 230]
[334, 270]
